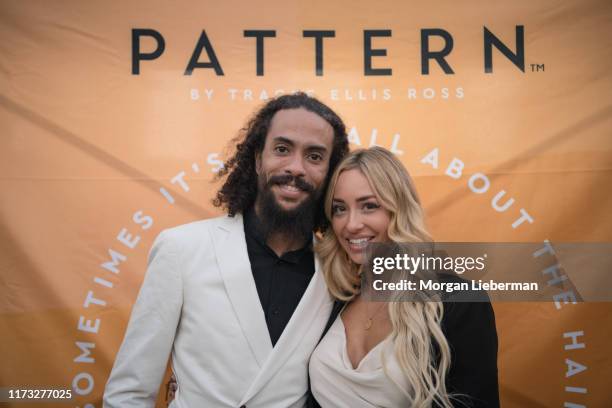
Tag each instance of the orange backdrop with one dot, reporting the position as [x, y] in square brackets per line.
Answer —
[88, 145]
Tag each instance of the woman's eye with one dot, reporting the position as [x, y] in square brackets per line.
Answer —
[337, 209]
[370, 206]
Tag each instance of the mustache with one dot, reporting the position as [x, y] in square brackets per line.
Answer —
[299, 182]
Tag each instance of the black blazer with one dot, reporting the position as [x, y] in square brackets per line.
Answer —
[470, 330]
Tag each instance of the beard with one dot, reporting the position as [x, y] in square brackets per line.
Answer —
[294, 223]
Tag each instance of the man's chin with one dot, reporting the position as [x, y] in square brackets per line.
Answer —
[284, 202]
[292, 216]
[287, 205]
[286, 198]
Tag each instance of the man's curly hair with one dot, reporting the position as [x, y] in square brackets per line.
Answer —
[240, 188]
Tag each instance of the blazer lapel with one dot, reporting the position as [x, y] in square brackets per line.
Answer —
[235, 267]
[315, 297]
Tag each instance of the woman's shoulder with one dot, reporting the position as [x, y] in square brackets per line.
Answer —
[467, 313]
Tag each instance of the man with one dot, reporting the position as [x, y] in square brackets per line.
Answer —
[239, 300]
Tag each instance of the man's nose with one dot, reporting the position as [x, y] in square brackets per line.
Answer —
[295, 166]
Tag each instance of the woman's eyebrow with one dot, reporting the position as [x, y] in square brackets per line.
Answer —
[364, 198]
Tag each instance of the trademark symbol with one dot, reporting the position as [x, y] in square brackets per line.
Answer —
[537, 67]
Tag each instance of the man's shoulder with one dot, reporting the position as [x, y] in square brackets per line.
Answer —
[195, 229]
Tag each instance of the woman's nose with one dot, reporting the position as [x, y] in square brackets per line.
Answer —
[355, 223]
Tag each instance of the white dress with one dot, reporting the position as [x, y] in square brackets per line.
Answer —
[336, 384]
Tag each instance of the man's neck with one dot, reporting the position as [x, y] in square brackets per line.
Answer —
[282, 243]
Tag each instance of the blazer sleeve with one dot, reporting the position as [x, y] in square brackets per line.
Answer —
[311, 402]
[142, 359]
[472, 336]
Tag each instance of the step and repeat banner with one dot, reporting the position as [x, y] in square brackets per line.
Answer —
[116, 116]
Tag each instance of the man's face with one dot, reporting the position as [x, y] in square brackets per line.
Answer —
[294, 161]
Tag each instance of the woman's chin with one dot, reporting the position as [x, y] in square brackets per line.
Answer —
[357, 258]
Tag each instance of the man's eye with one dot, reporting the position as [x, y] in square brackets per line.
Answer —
[281, 149]
[315, 156]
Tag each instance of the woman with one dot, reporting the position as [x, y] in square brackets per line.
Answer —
[395, 354]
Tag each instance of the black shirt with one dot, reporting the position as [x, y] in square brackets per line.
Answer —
[280, 281]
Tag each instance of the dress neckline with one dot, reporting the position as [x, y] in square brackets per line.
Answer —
[345, 356]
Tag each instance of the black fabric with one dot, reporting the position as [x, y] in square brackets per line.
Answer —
[280, 281]
[470, 330]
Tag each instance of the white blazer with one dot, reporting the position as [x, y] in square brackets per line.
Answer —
[199, 302]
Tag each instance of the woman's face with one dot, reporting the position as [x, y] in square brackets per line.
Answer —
[357, 216]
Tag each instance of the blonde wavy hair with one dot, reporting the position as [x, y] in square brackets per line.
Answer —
[417, 334]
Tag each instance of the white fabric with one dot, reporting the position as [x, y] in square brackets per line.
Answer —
[199, 302]
[335, 383]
